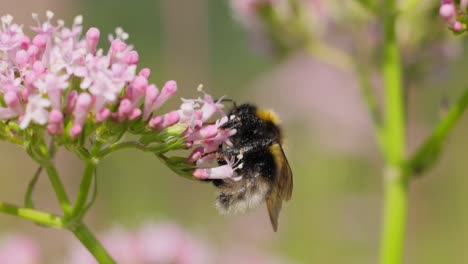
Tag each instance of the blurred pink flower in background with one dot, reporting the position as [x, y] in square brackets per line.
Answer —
[328, 98]
[448, 12]
[19, 249]
[168, 243]
[161, 243]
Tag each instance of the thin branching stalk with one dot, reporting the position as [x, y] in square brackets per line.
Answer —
[395, 180]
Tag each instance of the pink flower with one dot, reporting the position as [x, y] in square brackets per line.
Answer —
[35, 111]
[17, 249]
[220, 172]
[62, 83]
[448, 12]
[156, 99]
[160, 243]
[168, 243]
[53, 85]
[80, 113]
[11, 35]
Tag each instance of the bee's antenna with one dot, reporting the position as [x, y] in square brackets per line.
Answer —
[234, 104]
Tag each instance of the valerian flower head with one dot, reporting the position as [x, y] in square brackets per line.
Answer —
[58, 83]
[454, 14]
[274, 27]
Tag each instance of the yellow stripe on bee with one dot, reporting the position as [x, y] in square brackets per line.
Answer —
[277, 153]
[268, 115]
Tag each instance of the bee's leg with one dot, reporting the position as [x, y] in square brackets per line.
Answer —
[231, 123]
[254, 146]
[230, 152]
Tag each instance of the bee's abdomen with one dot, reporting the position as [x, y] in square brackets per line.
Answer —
[238, 197]
[258, 173]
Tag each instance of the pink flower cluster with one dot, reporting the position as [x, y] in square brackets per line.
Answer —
[449, 12]
[165, 243]
[152, 244]
[60, 79]
[207, 138]
[19, 249]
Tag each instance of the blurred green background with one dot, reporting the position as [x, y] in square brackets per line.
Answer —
[334, 215]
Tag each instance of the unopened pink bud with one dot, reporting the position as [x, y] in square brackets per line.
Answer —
[22, 58]
[204, 133]
[196, 154]
[55, 116]
[137, 88]
[55, 125]
[38, 67]
[457, 26]
[30, 78]
[145, 72]
[83, 102]
[40, 41]
[188, 144]
[209, 131]
[102, 115]
[198, 114]
[221, 172]
[131, 58]
[71, 100]
[448, 13]
[33, 51]
[136, 112]
[201, 173]
[25, 42]
[92, 39]
[139, 82]
[155, 121]
[169, 119]
[150, 97]
[75, 130]
[125, 107]
[168, 90]
[80, 112]
[52, 128]
[25, 94]
[12, 100]
[118, 45]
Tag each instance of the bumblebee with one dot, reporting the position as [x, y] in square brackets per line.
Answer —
[265, 174]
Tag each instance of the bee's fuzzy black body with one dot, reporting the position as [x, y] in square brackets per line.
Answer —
[257, 144]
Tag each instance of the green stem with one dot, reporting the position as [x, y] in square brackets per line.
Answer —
[409, 5]
[395, 208]
[429, 150]
[134, 144]
[28, 200]
[86, 181]
[87, 238]
[394, 111]
[93, 197]
[370, 5]
[36, 216]
[118, 146]
[370, 100]
[395, 180]
[58, 188]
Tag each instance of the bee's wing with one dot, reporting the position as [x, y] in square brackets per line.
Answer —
[282, 189]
